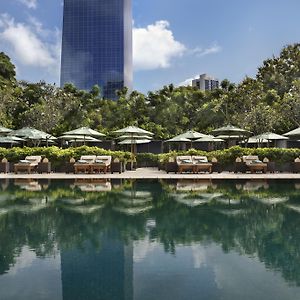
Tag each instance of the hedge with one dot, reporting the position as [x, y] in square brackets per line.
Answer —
[225, 157]
[228, 156]
[58, 156]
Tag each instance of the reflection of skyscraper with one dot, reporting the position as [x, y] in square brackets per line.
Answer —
[102, 271]
[97, 45]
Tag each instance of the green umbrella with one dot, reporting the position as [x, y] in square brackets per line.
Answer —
[209, 139]
[270, 136]
[191, 135]
[29, 133]
[124, 137]
[177, 139]
[90, 139]
[229, 137]
[293, 134]
[134, 142]
[84, 131]
[8, 140]
[4, 130]
[75, 137]
[133, 130]
[136, 136]
[255, 140]
[231, 131]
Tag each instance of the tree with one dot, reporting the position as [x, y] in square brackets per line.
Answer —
[7, 71]
[278, 73]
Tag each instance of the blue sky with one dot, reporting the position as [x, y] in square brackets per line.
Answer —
[174, 40]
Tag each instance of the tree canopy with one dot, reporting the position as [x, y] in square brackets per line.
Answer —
[269, 102]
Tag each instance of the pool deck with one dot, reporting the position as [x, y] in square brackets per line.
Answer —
[152, 173]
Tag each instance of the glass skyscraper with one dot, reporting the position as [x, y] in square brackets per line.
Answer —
[97, 45]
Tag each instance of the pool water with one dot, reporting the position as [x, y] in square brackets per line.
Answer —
[95, 239]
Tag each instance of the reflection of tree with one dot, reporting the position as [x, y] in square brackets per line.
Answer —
[230, 216]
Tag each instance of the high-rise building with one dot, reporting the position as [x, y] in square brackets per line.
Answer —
[206, 83]
[97, 45]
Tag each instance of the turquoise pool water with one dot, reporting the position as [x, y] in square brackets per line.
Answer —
[149, 240]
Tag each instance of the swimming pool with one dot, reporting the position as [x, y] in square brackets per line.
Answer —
[122, 239]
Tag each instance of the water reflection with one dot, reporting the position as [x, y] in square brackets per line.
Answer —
[95, 239]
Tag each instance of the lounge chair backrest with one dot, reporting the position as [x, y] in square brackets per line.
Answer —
[250, 158]
[88, 158]
[34, 160]
[105, 158]
[199, 159]
[183, 159]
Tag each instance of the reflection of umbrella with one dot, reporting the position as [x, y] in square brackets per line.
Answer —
[293, 134]
[231, 131]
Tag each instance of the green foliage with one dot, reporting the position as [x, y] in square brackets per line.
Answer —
[269, 102]
[228, 156]
[7, 70]
[58, 156]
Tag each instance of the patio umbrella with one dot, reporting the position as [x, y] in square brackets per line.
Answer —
[135, 136]
[177, 139]
[228, 137]
[133, 130]
[209, 139]
[255, 140]
[266, 137]
[134, 142]
[293, 134]
[84, 132]
[75, 137]
[8, 140]
[231, 131]
[88, 139]
[33, 134]
[124, 137]
[4, 130]
[192, 135]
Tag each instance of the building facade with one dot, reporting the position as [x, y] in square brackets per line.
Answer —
[97, 45]
[206, 83]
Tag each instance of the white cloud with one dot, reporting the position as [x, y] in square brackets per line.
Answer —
[215, 48]
[155, 46]
[30, 44]
[188, 82]
[29, 3]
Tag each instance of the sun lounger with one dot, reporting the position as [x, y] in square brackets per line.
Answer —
[101, 164]
[201, 164]
[185, 164]
[84, 164]
[28, 165]
[254, 165]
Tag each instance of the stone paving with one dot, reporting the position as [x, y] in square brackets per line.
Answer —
[153, 173]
